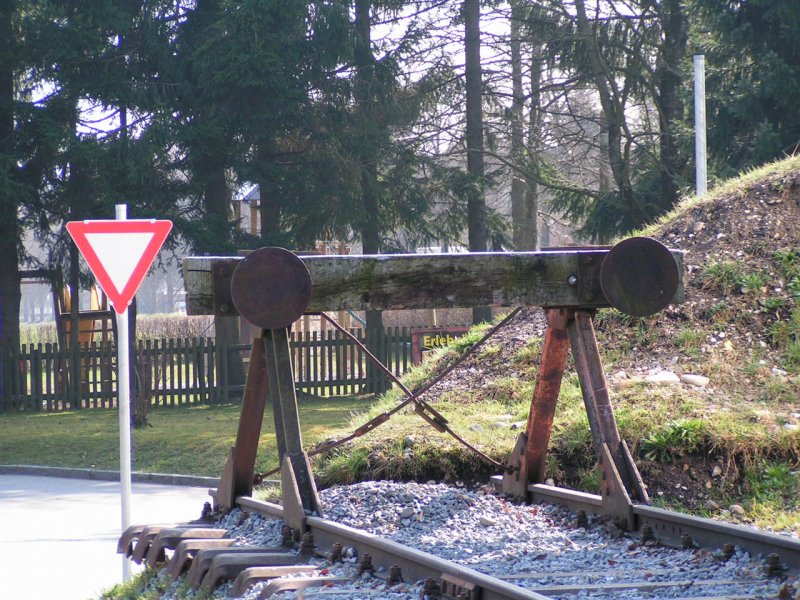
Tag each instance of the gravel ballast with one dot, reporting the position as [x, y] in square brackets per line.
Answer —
[534, 546]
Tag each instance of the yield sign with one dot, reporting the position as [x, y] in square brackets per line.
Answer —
[119, 253]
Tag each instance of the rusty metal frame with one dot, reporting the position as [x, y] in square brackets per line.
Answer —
[621, 483]
[270, 376]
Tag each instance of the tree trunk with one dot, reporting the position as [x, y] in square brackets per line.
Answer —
[614, 112]
[9, 229]
[370, 225]
[217, 207]
[476, 202]
[520, 233]
[270, 202]
[531, 214]
[674, 24]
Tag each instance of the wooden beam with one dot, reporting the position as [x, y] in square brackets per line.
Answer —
[563, 278]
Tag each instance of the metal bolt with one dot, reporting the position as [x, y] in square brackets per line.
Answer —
[588, 260]
[686, 542]
[646, 535]
[395, 575]
[430, 590]
[365, 566]
[581, 520]
[286, 536]
[336, 553]
[307, 547]
[588, 295]
[224, 307]
[728, 550]
[572, 280]
[774, 566]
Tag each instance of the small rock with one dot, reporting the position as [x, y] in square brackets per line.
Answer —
[698, 226]
[517, 425]
[791, 426]
[778, 372]
[409, 441]
[549, 481]
[711, 505]
[487, 522]
[476, 427]
[717, 471]
[709, 484]
[736, 509]
[406, 512]
[695, 380]
[664, 378]
[619, 375]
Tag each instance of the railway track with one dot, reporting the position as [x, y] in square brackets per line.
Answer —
[446, 543]
[333, 560]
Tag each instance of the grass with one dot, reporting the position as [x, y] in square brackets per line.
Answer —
[734, 186]
[191, 440]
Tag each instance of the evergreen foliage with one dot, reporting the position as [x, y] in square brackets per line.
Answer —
[350, 116]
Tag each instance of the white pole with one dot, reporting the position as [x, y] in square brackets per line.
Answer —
[700, 124]
[124, 403]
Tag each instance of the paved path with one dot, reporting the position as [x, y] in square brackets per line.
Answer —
[58, 537]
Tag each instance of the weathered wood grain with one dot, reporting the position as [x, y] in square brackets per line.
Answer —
[406, 281]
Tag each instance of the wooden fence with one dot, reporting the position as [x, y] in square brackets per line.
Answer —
[176, 372]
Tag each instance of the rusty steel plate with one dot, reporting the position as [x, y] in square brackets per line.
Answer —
[271, 288]
[639, 276]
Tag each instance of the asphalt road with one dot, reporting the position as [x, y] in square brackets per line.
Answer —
[58, 537]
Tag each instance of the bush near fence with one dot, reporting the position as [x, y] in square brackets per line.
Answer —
[42, 377]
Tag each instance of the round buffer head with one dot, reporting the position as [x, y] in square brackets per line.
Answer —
[271, 288]
[639, 276]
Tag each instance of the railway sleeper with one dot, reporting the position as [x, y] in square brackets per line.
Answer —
[209, 566]
[127, 541]
[295, 584]
[186, 550]
[253, 575]
[168, 539]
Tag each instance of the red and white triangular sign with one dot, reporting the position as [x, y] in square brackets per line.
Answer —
[119, 253]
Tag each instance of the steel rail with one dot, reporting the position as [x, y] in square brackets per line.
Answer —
[671, 527]
[415, 564]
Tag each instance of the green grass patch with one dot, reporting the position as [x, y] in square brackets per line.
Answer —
[142, 586]
[192, 440]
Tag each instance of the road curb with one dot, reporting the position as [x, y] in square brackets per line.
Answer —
[104, 475]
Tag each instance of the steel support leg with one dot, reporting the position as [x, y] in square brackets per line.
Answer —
[287, 423]
[237, 480]
[528, 460]
[621, 481]
[545, 394]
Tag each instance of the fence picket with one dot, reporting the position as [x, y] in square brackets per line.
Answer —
[44, 377]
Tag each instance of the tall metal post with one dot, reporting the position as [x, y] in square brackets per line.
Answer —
[124, 404]
[701, 175]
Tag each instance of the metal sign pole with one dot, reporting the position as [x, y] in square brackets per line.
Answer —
[701, 175]
[124, 403]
